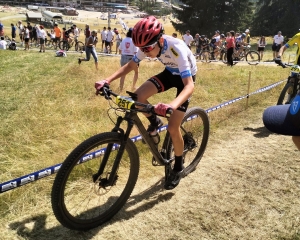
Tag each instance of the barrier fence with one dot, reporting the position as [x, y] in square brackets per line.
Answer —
[18, 182]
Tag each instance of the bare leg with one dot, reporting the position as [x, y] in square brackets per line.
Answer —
[296, 140]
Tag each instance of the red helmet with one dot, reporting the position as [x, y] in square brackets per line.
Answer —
[146, 31]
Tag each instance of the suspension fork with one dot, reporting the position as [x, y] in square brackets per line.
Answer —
[110, 148]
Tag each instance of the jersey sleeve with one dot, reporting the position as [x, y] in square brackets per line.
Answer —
[139, 56]
[180, 56]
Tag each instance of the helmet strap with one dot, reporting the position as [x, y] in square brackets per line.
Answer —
[160, 43]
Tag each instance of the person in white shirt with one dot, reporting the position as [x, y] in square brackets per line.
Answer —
[127, 51]
[20, 27]
[277, 43]
[41, 34]
[118, 39]
[188, 38]
[26, 38]
[75, 32]
[3, 43]
[108, 41]
[103, 37]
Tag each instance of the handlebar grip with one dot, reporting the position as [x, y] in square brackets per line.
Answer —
[169, 112]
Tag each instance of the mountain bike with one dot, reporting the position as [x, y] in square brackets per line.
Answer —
[251, 56]
[97, 178]
[66, 45]
[292, 86]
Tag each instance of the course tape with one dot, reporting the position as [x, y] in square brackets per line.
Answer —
[21, 181]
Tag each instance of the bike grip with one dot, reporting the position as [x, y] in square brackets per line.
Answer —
[169, 112]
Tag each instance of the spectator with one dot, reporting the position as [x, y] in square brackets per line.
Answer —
[118, 40]
[261, 44]
[215, 43]
[103, 37]
[108, 41]
[12, 45]
[34, 33]
[3, 43]
[75, 32]
[277, 42]
[196, 41]
[284, 120]
[13, 30]
[1, 29]
[187, 38]
[41, 36]
[57, 31]
[247, 32]
[87, 33]
[127, 51]
[26, 38]
[30, 28]
[174, 35]
[230, 45]
[21, 31]
[90, 49]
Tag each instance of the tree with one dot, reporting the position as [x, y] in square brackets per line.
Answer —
[277, 15]
[206, 16]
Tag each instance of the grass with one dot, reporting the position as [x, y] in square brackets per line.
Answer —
[48, 106]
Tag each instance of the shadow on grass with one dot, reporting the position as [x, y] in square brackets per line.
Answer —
[260, 132]
[34, 228]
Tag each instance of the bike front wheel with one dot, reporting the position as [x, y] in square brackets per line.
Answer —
[252, 57]
[195, 132]
[79, 46]
[64, 45]
[287, 94]
[81, 203]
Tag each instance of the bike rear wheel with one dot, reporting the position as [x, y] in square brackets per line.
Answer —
[195, 132]
[79, 46]
[252, 57]
[287, 94]
[78, 202]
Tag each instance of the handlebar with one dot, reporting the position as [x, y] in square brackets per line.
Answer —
[130, 103]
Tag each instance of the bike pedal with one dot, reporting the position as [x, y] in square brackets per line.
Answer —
[155, 163]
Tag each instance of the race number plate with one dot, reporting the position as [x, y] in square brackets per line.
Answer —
[125, 102]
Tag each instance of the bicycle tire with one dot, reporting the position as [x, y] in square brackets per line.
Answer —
[252, 57]
[283, 97]
[79, 46]
[196, 124]
[205, 56]
[80, 204]
[64, 45]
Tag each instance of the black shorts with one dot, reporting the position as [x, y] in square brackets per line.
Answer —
[276, 47]
[26, 40]
[260, 49]
[166, 80]
[107, 43]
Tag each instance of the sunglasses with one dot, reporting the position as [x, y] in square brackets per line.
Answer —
[148, 48]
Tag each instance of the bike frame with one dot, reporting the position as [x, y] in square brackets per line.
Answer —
[132, 119]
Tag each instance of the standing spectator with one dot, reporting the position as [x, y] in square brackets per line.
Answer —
[230, 45]
[41, 36]
[277, 42]
[57, 31]
[188, 38]
[261, 44]
[118, 40]
[103, 37]
[13, 30]
[1, 29]
[127, 51]
[90, 49]
[196, 41]
[215, 43]
[21, 31]
[87, 33]
[247, 32]
[30, 28]
[3, 43]
[109, 39]
[75, 32]
[26, 38]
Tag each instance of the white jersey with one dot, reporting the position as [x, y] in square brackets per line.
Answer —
[127, 47]
[176, 56]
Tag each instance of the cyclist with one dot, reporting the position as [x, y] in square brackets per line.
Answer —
[180, 72]
[240, 43]
[67, 34]
[294, 40]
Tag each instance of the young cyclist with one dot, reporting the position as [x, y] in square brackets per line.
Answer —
[180, 73]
